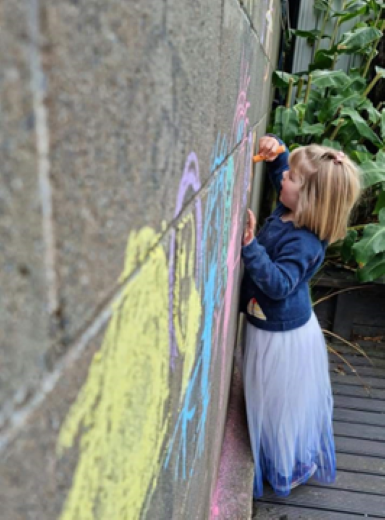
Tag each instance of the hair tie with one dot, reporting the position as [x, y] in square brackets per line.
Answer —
[338, 157]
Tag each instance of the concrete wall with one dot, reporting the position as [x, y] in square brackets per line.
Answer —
[123, 119]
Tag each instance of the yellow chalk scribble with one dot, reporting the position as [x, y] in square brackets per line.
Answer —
[138, 245]
[119, 416]
[187, 306]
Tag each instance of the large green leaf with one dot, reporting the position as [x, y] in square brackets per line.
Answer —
[372, 172]
[327, 79]
[380, 158]
[286, 123]
[348, 14]
[376, 5]
[372, 242]
[348, 134]
[311, 36]
[355, 4]
[331, 144]
[381, 71]
[332, 104]
[373, 269]
[361, 126]
[347, 245]
[357, 84]
[321, 5]
[360, 25]
[316, 129]
[360, 154]
[315, 102]
[358, 39]
[373, 113]
[380, 203]
[323, 59]
[300, 108]
[281, 79]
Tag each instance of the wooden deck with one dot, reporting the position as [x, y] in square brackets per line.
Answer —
[359, 428]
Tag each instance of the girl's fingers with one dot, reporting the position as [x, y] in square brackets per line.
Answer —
[251, 219]
[249, 230]
[268, 148]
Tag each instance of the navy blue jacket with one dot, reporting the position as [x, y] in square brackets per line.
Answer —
[279, 263]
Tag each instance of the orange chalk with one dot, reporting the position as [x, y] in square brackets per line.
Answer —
[258, 158]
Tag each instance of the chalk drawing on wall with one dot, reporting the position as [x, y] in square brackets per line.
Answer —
[178, 258]
[119, 415]
[220, 257]
[173, 314]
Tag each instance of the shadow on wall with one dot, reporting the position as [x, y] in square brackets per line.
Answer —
[171, 323]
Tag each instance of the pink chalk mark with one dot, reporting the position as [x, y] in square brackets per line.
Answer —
[233, 252]
[233, 256]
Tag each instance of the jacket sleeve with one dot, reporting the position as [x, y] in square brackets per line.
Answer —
[279, 278]
[276, 168]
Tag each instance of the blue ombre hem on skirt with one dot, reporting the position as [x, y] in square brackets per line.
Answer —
[289, 407]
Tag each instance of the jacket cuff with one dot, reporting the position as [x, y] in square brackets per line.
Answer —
[249, 242]
[245, 246]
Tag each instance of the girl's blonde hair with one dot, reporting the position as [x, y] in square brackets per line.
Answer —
[330, 187]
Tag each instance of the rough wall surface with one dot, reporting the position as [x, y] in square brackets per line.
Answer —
[123, 119]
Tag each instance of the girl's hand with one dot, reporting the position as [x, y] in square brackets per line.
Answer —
[248, 232]
[268, 146]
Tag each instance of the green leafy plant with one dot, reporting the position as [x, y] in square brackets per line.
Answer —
[332, 107]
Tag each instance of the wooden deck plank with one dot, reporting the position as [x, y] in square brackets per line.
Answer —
[359, 361]
[354, 416]
[376, 353]
[358, 391]
[361, 447]
[361, 464]
[350, 481]
[359, 403]
[359, 431]
[371, 345]
[330, 499]
[353, 380]
[269, 511]
[362, 371]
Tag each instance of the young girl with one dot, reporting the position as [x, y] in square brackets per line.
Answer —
[287, 387]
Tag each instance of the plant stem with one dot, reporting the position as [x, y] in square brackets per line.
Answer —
[289, 93]
[375, 44]
[334, 35]
[378, 17]
[307, 93]
[337, 129]
[299, 87]
[333, 118]
[371, 84]
[372, 126]
[336, 26]
[334, 61]
[324, 22]
[361, 226]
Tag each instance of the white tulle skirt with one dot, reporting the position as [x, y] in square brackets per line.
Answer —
[289, 406]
